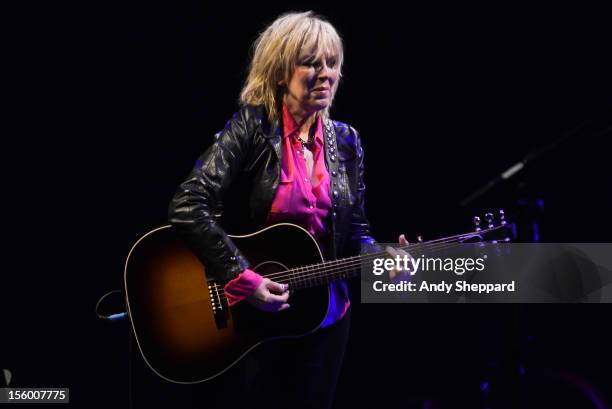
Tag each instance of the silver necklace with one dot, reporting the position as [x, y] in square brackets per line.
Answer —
[306, 144]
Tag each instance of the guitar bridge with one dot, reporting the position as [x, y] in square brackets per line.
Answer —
[218, 303]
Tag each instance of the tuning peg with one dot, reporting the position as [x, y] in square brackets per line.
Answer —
[476, 221]
[502, 217]
[489, 219]
[420, 239]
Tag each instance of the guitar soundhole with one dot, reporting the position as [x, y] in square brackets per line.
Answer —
[300, 318]
[269, 267]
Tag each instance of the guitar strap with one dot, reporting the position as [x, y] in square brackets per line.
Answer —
[332, 162]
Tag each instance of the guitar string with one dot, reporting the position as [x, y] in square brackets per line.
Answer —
[299, 271]
[298, 275]
[334, 264]
[336, 271]
[218, 297]
[332, 274]
[409, 247]
[335, 267]
[450, 239]
[301, 274]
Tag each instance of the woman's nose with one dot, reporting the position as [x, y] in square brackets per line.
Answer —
[325, 70]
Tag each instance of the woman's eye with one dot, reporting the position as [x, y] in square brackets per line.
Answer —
[317, 63]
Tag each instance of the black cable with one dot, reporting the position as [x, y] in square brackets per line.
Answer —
[111, 317]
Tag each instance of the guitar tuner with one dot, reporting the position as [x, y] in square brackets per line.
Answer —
[502, 217]
[476, 221]
[489, 219]
[420, 239]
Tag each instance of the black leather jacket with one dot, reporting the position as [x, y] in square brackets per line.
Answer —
[233, 184]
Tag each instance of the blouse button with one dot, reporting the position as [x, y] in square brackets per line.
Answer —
[335, 193]
[334, 173]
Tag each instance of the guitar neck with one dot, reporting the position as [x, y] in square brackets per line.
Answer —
[321, 274]
[326, 272]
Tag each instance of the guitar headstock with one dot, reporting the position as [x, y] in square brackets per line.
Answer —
[496, 230]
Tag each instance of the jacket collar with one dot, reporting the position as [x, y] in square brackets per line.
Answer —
[273, 132]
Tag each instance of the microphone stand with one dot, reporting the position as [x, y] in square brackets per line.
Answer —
[529, 158]
[517, 365]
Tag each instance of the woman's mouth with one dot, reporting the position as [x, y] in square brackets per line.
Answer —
[322, 90]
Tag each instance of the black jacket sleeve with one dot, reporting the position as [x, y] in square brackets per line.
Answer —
[195, 209]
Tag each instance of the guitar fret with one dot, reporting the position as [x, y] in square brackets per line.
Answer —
[312, 277]
[305, 278]
[295, 278]
[318, 274]
[291, 281]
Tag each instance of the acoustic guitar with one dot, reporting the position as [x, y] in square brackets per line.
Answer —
[180, 317]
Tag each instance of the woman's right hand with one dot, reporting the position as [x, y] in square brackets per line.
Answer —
[270, 296]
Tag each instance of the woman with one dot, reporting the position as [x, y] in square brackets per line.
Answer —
[281, 159]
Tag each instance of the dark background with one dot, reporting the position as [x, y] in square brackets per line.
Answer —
[108, 104]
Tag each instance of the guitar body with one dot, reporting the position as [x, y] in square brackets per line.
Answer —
[179, 316]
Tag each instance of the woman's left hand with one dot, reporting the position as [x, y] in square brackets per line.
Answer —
[399, 274]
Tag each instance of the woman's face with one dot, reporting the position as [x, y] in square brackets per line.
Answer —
[311, 86]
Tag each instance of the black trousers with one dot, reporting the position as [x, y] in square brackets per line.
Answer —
[296, 373]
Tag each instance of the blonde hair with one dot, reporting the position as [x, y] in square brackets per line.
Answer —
[276, 53]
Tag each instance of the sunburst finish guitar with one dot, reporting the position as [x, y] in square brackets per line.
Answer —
[180, 317]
